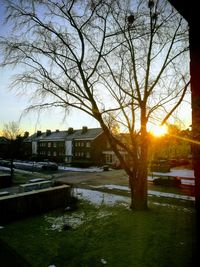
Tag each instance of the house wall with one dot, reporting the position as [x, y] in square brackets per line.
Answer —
[84, 149]
[98, 146]
[81, 150]
[53, 150]
[27, 149]
[89, 152]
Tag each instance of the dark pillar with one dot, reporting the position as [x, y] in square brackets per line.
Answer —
[195, 89]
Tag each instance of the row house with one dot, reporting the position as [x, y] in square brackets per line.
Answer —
[76, 147]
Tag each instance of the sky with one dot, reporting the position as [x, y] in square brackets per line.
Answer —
[13, 105]
[12, 108]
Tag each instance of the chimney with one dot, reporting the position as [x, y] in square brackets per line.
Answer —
[26, 134]
[48, 132]
[70, 130]
[84, 129]
[38, 133]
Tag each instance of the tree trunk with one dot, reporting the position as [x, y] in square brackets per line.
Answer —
[138, 192]
[138, 181]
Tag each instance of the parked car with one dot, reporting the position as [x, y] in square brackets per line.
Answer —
[47, 165]
[6, 163]
[167, 181]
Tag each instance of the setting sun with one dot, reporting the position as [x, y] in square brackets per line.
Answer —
[158, 130]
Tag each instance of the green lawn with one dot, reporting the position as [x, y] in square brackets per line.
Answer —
[103, 235]
[21, 178]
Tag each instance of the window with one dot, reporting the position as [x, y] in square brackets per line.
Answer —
[54, 144]
[88, 144]
[49, 144]
[61, 144]
[41, 144]
[54, 153]
[108, 145]
[109, 159]
[87, 155]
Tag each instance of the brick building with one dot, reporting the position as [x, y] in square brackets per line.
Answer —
[77, 147]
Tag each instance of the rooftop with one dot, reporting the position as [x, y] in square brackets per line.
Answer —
[70, 134]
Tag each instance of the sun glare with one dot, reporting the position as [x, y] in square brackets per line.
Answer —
[158, 130]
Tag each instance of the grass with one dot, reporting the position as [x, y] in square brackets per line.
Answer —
[103, 235]
[20, 177]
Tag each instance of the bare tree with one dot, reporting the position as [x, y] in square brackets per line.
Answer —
[11, 130]
[102, 57]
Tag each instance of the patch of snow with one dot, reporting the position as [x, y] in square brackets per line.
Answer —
[151, 178]
[120, 187]
[73, 220]
[57, 223]
[4, 168]
[73, 169]
[98, 197]
[170, 195]
[103, 214]
[61, 168]
[150, 192]
[103, 261]
[187, 182]
[184, 173]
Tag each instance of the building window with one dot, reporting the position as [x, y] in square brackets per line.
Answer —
[109, 159]
[108, 145]
[54, 154]
[48, 153]
[87, 155]
[49, 144]
[88, 144]
[61, 144]
[54, 144]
